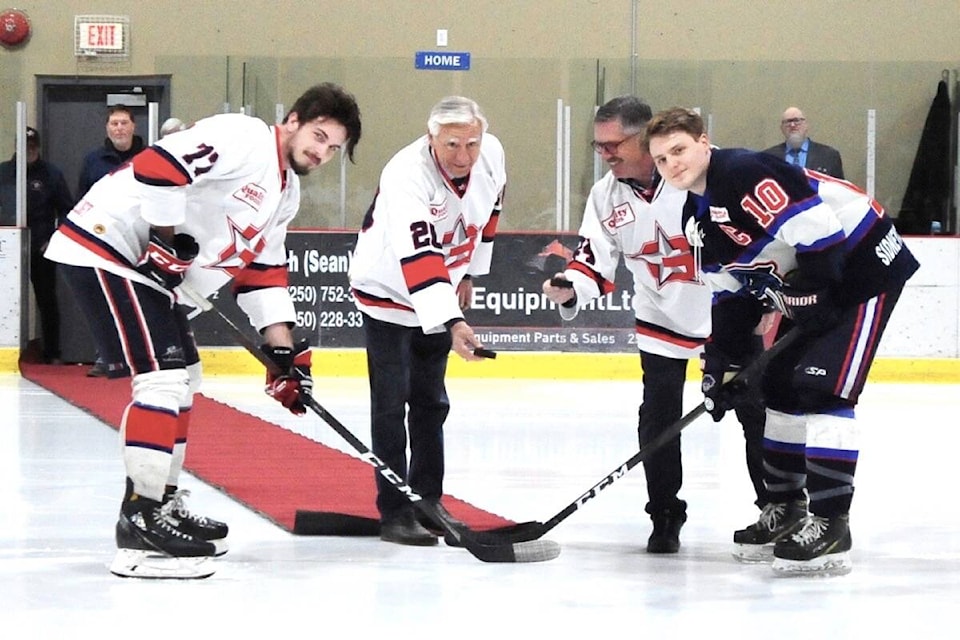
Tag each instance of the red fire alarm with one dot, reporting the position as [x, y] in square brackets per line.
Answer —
[14, 27]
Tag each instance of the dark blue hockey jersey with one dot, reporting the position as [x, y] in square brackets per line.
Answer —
[762, 218]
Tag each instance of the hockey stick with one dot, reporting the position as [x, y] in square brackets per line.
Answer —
[527, 531]
[487, 551]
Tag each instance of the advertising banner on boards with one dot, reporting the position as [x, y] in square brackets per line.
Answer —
[509, 313]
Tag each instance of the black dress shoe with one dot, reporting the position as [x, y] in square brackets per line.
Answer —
[432, 525]
[666, 531]
[404, 529]
[436, 528]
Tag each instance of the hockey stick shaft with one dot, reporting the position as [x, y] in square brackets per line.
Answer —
[532, 530]
[525, 551]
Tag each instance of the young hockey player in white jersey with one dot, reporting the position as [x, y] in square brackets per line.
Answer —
[205, 206]
[824, 254]
[429, 230]
[632, 213]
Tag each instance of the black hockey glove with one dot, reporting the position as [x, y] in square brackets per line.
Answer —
[287, 387]
[720, 393]
[165, 264]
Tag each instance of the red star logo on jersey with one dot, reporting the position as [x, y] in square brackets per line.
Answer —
[246, 244]
[668, 259]
[463, 237]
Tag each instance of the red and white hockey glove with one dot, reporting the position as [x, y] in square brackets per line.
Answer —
[167, 264]
[287, 387]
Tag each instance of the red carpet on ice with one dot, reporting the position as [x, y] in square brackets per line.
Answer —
[263, 466]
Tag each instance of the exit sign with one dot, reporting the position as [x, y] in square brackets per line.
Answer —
[104, 35]
[442, 60]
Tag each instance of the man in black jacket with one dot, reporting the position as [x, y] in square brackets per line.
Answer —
[800, 150]
[48, 201]
[120, 145]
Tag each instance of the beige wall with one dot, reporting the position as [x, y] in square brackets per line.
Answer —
[741, 62]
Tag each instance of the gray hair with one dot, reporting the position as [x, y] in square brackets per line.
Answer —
[455, 110]
[171, 125]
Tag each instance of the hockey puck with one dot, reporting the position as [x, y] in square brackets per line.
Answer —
[484, 353]
[563, 283]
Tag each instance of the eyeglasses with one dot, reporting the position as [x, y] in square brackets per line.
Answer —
[793, 121]
[611, 147]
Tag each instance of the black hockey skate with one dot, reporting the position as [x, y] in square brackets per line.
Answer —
[200, 527]
[149, 544]
[777, 521]
[821, 546]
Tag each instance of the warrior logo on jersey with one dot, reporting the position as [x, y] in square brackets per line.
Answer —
[621, 215]
[719, 214]
[668, 258]
[245, 246]
[251, 194]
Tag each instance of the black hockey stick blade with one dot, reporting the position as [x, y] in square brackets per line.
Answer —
[499, 551]
[528, 531]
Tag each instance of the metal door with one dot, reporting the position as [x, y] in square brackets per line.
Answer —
[72, 116]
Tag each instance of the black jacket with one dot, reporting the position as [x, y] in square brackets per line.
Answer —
[48, 198]
[103, 160]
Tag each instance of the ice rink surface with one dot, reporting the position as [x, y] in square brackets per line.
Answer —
[524, 449]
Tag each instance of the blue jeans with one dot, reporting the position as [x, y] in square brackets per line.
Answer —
[407, 395]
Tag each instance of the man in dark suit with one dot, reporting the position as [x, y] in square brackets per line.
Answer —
[800, 150]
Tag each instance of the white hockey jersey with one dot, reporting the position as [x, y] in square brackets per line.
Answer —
[671, 305]
[422, 235]
[220, 181]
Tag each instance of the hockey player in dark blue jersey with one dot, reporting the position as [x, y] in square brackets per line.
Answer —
[773, 237]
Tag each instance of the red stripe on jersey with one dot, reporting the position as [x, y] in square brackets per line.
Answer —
[605, 286]
[84, 241]
[671, 338]
[156, 167]
[490, 230]
[259, 276]
[150, 427]
[374, 301]
[423, 270]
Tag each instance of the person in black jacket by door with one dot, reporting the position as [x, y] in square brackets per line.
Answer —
[48, 200]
